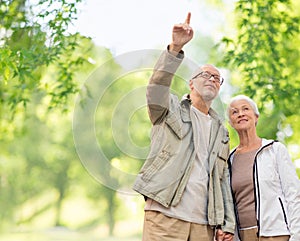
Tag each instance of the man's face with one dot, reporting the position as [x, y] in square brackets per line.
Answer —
[207, 82]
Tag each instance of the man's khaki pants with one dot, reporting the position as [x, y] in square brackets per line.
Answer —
[158, 227]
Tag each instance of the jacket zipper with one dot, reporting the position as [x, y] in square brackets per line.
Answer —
[257, 188]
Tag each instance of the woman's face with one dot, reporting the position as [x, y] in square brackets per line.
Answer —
[242, 116]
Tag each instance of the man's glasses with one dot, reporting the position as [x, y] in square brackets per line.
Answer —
[207, 75]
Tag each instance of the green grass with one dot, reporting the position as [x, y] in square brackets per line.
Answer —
[59, 234]
[76, 212]
[124, 231]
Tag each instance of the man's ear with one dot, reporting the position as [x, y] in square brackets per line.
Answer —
[191, 84]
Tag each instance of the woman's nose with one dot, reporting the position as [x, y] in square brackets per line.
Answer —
[240, 113]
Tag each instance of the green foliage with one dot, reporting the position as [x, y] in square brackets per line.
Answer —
[266, 30]
[33, 36]
[264, 58]
[43, 66]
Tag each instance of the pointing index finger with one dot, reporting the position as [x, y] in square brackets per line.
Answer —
[188, 18]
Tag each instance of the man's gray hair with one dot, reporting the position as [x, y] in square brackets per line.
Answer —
[200, 69]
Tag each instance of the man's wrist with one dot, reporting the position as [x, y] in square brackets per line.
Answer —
[175, 48]
[177, 52]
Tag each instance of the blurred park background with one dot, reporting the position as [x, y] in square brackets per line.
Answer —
[63, 95]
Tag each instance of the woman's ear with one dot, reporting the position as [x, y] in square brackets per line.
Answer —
[257, 116]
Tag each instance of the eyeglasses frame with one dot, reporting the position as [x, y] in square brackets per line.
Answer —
[220, 81]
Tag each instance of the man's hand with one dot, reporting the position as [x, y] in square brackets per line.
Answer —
[223, 236]
[182, 33]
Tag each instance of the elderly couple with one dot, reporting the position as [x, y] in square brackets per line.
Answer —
[195, 189]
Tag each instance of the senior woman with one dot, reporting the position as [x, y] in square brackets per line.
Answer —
[265, 186]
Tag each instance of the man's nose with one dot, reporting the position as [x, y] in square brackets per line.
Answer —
[212, 78]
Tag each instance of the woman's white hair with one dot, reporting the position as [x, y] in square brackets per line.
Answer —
[246, 98]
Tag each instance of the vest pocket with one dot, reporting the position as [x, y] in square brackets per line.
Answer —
[223, 152]
[157, 164]
[222, 157]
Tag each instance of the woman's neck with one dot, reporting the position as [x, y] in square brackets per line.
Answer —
[248, 141]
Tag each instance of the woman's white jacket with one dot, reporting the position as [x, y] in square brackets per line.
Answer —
[277, 191]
